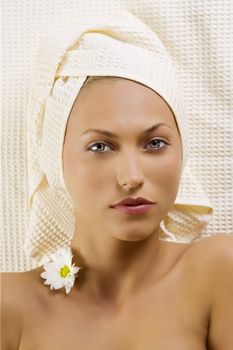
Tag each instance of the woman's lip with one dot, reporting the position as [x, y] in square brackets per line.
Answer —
[134, 209]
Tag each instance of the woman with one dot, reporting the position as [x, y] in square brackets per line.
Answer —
[134, 290]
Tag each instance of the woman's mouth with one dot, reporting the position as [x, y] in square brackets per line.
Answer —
[132, 209]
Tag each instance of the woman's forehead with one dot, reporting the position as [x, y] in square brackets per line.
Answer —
[115, 99]
[119, 88]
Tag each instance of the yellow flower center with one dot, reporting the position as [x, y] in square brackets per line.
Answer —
[64, 271]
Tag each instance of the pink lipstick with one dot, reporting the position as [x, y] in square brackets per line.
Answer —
[134, 206]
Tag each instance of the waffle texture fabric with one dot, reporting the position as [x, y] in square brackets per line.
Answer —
[118, 45]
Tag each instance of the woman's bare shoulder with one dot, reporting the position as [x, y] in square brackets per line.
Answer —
[217, 254]
[212, 255]
[218, 245]
[16, 289]
[210, 260]
[217, 239]
[16, 284]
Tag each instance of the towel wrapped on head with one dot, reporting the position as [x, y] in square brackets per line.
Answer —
[116, 45]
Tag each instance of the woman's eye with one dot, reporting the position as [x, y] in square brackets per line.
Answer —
[98, 147]
[157, 142]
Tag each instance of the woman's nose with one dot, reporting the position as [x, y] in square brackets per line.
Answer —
[130, 174]
[131, 184]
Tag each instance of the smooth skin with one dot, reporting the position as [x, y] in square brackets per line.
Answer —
[134, 292]
[100, 170]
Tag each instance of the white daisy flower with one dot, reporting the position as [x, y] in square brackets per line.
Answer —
[60, 272]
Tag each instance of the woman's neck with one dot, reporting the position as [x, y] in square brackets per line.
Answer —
[115, 273]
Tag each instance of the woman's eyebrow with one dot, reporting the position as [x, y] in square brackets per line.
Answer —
[111, 134]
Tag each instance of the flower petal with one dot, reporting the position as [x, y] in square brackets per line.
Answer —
[61, 258]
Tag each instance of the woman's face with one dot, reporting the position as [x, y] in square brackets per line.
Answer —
[98, 164]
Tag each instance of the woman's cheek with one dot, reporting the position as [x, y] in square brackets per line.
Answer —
[89, 175]
[166, 174]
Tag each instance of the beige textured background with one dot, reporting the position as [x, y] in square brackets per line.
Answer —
[199, 37]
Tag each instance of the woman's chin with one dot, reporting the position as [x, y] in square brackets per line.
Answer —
[134, 235]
